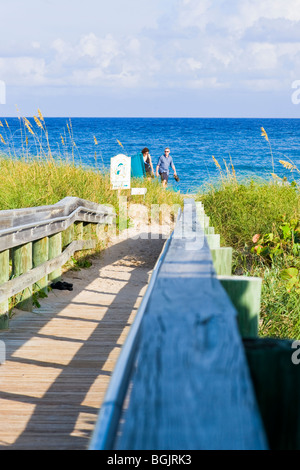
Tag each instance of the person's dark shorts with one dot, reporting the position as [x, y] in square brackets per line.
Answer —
[164, 176]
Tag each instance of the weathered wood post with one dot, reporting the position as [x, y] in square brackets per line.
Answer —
[40, 254]
[79, 230]
[21, 264]
[68, 236]
[4, 276]
[245, 294]
[222, 260]
[55, 249]
[87, 231]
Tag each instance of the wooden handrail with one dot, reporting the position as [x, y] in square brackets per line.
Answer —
[19, 226]
[190, 386]
[36, 242]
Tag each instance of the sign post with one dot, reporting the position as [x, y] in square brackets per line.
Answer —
[120, 172]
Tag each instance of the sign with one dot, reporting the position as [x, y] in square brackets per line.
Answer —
[120, 172]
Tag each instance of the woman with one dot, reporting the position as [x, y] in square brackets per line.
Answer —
[148, 162]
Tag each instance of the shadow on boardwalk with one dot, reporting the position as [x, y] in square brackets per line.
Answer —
[60, 358]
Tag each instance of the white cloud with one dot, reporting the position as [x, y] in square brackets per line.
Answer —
[260, 84]
[278, 30]
[102, 50]
[263, 57]
[188, 64]
[187, 44]
[31, 69]
[207, 83]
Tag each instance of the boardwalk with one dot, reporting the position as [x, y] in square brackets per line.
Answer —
[59, 358]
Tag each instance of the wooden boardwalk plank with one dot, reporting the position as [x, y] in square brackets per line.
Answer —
[60, 357]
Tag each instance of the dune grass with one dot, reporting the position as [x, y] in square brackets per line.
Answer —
[242, 210]
[260, 220]
[35, 182]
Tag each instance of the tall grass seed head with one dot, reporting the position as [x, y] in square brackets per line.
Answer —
[38, 122]
[216, 162]
[264, 134]
[40, 115]
[287, 165]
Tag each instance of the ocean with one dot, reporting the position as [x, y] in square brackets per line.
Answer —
[193, 143]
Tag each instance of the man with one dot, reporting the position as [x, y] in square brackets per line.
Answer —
[163, 167]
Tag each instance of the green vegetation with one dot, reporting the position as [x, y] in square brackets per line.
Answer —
[35, 182]
[260, 220]
[31, 182]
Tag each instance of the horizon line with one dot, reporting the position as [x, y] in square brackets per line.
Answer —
[152, 117]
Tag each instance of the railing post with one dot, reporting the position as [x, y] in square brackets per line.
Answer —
[40, 252]
[87, 230]
[4, 276]
[245, 294]
[68, 236]
[55, 249]
[222, 260]
[21, 264]
[79, 230]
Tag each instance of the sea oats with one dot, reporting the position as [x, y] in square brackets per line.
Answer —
[216, 162]
[264, 134]
[287, 165]
[40, 115]
[28, 127]
[38, 122]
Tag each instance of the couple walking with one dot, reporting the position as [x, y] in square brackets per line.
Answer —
[163, 165]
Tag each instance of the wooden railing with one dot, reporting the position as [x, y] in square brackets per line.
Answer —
[36, 242]
[182, 380]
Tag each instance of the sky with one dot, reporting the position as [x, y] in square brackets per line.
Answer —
[158, 58]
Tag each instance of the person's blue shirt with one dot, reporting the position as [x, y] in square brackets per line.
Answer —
[164, 164]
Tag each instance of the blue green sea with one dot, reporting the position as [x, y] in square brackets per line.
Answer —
[193, 143]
